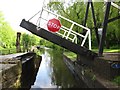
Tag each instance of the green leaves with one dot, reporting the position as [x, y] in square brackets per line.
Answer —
[117, 80]
[25, 41]
[7, 35]
[29, 40]
[76, 12]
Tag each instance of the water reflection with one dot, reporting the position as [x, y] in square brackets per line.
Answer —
[43, 79]
[53, 72]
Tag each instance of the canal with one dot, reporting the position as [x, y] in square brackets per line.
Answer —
[53, 72]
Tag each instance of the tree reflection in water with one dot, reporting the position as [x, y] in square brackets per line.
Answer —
[53, 73]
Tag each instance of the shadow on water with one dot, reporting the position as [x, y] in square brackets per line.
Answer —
[29, 72]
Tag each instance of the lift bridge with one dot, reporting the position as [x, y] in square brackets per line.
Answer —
[67, 37]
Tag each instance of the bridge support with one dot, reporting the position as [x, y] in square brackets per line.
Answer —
[105, 23]
[94, 19]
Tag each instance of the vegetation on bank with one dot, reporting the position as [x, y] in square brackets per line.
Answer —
[71, 55]
[8, 38]
[109, 50]
[117, 80]
[74, 11]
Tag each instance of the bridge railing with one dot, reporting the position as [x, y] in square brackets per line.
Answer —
[68, 32]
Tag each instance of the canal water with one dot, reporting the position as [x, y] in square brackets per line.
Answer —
[53, 72]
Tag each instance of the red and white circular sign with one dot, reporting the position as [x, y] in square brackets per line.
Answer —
[53, 25]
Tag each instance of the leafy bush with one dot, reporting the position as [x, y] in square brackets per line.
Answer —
[117, 80]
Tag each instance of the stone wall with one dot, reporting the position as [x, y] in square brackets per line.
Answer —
[15, 72]
[88, 76]
[11, 72]
[102, 65]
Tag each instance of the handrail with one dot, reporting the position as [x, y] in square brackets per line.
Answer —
[67, 32]
[66, 19]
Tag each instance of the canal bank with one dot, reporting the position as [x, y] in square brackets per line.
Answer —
[97, 72]
[27, 72]
[53, 71]
[13, 69]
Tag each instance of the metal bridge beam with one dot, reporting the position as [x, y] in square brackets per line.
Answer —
[95, 23]
[105, 23]
[113, 19]
[52, 37]
[94, 19]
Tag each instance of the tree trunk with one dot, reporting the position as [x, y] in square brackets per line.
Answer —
[107, 44]
[18, 49]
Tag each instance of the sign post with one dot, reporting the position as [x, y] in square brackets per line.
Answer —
[53, 25]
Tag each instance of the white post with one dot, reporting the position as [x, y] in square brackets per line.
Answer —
[76, 40]
[83, 42]
[89, 37]
[69, 31]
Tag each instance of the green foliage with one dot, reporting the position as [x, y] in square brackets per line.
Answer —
[5, 51]
[108, 50]
[99, 9]
[117, 80]
[50, 44]
[71, 55]
[25, 40]
[7, 35]
[29, 40]
[53, 46]
[76, 12]
[113, 32]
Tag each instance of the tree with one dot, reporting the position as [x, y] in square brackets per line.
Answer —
[25, 41]
[35, 40]
[7, 35]
[76, 11]
[29, 40]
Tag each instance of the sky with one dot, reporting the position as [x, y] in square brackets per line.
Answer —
[16, 10]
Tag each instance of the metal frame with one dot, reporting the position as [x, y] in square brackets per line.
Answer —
[113, 4]
[101, 40]
[105, 23]
[67, 31]
[94, 19]
[52, 37]
[86, 31]
[113, 19]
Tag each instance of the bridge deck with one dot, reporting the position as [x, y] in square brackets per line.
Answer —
[52, 37]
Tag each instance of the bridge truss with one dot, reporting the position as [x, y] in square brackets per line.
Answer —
[101, 41]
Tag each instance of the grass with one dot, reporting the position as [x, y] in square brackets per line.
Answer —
[7, 51]
[71, 55]
[117, 80]
[108, 50]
